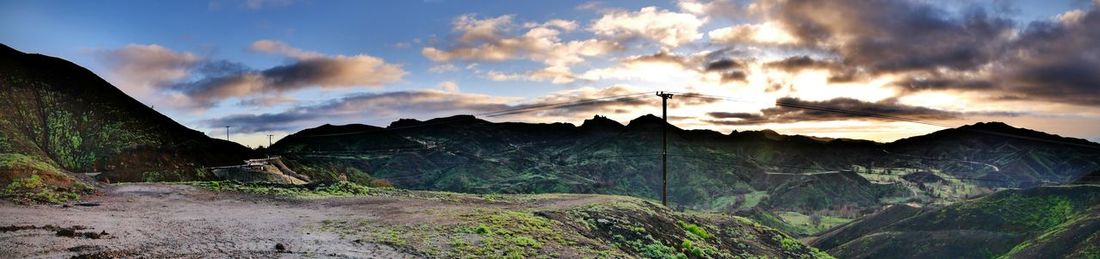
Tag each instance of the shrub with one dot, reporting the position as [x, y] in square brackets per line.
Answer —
[694, 230]
[658, 250]
[378, 182]
[32, 189]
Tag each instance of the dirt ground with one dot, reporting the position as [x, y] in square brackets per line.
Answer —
[154, 220]
[162, 220]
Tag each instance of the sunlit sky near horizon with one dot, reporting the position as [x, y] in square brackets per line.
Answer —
[279, 66]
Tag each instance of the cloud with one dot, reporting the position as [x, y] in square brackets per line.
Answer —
[449, 86]
[583, 103]
[1057, 60]
[788, 112]
[916, 46]
[305, 69]
[731, 69]
[890, 36]
[360, 107]
[837, 72]
[278, 47]
[444, 68]
[716, 8]
[764, 33]
[491, 39]
[185, 80]
[140, 69]
[668, 28]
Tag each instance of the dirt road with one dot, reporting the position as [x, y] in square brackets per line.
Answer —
[154, 220]
[164, 220]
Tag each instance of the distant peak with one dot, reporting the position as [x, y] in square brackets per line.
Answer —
[601, 122]
[332, 129]
[771, 134]
[646, 120]
[404, 123]
[989, 125]
[457, 119]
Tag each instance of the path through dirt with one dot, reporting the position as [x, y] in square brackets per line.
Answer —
[162, 220]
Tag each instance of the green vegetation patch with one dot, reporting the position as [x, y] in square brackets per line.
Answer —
[33, 189]
[477, 233]
[694, 230]
[811, 224]
[333, 189]
[1027, 212]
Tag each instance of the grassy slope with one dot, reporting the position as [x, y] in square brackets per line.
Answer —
[62, 118]
[1045, 222]
[548, 225]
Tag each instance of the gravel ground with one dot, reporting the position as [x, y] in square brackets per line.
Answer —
[177, 221]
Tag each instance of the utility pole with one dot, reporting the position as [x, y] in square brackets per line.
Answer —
[226, 133]
[664, 147]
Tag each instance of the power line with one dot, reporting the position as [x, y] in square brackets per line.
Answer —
[664, 146]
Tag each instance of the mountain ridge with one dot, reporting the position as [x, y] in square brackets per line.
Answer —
[66, 117]
[467, 154]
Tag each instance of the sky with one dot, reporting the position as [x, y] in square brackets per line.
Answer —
[273, 67]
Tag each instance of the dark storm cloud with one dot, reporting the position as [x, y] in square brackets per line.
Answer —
[724, 64]
[797, 63]
[932, 48]
[791, 110]
[943, 83]
[664, 57]
[730, 69]
[892, 36]
[222, 80]
[199, 82]
[586, 102]
[837, 72]
[1056, 60]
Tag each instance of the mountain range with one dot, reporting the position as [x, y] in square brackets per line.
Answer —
[708, 170]
[1012, 191]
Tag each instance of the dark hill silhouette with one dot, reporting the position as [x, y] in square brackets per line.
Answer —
[467, 154]
[61, 115]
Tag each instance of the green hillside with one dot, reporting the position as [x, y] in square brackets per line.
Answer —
[708, 170]
[1044, 222]
[61, 119]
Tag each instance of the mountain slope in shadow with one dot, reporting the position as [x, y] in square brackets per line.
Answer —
[63, 118]
[708, 170]
[1044, 222]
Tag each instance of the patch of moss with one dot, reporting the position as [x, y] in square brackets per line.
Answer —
[334, 189]
[32, 189]
[694, 230]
